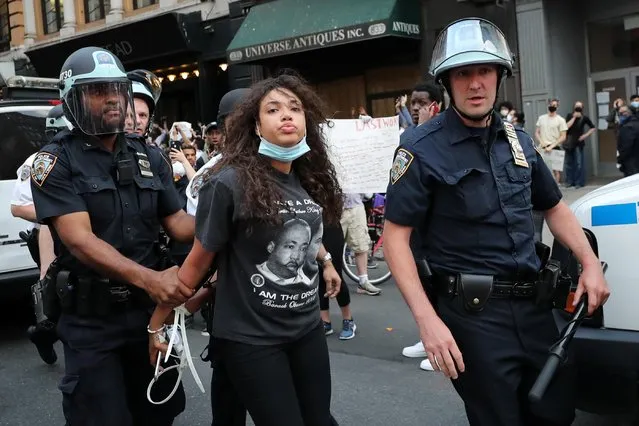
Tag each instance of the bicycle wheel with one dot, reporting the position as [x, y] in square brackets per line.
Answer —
[378, 271]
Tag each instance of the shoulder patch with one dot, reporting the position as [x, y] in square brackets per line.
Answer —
[43, 163]
[402, 162]
[196, 185]
[25, 172]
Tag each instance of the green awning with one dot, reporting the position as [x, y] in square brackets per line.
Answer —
[282, 27]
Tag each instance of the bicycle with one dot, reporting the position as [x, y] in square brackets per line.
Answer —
[378, 272]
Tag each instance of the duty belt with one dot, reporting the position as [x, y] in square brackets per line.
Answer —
[448, 285]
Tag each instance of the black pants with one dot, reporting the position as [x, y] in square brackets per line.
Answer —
[107, 372]
[226, 405]
[504, 347]
[333, 241]
[287, 384]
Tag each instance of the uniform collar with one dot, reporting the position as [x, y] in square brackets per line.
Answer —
[458, 130]
[93, 143]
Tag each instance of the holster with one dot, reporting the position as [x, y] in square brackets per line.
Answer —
[93, 296]
[164, 254]
[547, 284]
[426, 277]
[38, 303]
[543, 253]
[64, 291]
[50, 302]
[474, 291]
[33, 245]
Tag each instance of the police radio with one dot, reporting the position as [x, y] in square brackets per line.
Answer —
[124, 170]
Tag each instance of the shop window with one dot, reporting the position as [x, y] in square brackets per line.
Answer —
[94, 10]
[139, 4]
[5, 29]
[53, 15]
[613, 44]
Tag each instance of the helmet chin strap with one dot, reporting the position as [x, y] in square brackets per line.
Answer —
[476, 119]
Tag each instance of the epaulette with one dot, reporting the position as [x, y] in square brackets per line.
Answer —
[431, 126]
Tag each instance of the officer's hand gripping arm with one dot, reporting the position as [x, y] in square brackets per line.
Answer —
[192, 272]
[75, 232]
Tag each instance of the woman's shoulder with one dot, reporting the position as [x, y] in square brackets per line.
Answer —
[226, 176]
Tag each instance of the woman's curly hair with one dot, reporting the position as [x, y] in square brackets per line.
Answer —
[257, 177]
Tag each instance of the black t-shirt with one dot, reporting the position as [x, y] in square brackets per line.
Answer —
[267, 274]
[577, 129]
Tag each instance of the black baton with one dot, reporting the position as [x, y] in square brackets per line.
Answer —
[558, 352]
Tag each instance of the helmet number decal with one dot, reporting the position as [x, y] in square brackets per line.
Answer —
[66, 74]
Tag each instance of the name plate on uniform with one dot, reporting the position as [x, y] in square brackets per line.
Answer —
[515, 147]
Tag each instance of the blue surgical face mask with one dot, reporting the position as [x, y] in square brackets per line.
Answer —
[634, 104]
[623, 118]
[283, 154]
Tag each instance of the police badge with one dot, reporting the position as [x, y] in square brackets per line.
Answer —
[402, 161]
[42, 165]
[25, 172]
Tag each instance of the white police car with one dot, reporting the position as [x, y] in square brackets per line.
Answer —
[606, 346]
[26, 102]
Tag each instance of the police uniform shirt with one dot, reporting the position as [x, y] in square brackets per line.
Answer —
[75, 174]
[474, 208]
[22, 189]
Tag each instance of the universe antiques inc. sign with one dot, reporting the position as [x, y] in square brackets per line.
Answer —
[322, 39]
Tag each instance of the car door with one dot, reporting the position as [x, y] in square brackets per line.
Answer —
[21, 134]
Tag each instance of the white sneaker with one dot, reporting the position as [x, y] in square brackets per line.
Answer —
[415, 351]
[425, 365]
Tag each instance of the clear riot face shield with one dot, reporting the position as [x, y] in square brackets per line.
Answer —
[470, 41]
[100, 107]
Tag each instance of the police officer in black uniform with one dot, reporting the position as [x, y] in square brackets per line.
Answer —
[105, 196]
[469, 181]
[42, 334]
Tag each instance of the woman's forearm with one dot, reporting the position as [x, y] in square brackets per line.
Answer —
[160, 314]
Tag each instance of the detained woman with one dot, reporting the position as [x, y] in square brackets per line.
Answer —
[260, 208]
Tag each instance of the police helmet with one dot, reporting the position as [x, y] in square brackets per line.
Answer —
[470, 41]
[95, 91]
[147, 86]
[55, 122]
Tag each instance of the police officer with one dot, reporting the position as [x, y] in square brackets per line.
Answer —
[105, 195]
[469, 182]
[147, 89]
[39, 241]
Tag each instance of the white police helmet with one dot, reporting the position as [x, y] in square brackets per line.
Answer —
[470, 41]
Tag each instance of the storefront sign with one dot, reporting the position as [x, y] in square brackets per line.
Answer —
[129, 42]
[405, 28]
[309, 42]
[122, 49]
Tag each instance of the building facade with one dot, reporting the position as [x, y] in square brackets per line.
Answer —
[182, 41]
[586, 50]
[12, 58]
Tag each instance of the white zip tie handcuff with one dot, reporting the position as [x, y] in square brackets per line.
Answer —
[177, 340]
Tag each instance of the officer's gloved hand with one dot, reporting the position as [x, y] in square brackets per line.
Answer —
[164, 287]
